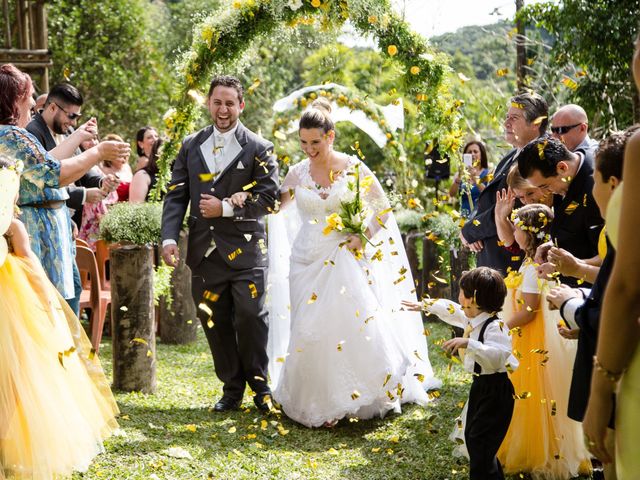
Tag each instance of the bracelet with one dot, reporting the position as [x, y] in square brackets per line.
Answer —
[608, 374]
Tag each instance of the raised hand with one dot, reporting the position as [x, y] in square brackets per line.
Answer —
[505, 200]
[111, 150]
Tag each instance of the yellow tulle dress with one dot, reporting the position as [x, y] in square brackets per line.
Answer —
[542, 440]
[56, 407]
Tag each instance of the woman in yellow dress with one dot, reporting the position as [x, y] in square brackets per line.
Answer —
[56, 407]
[618, 355]
[541, 441]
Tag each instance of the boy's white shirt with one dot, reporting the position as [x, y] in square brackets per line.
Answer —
[494, 354]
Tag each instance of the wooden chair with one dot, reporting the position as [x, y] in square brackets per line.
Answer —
[102, 257]
[82, 243]
[92, 296]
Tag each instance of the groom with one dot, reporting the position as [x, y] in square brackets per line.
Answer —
[227, 245]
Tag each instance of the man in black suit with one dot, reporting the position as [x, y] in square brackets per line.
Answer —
[570, 125]
[227, 250]
[547, 164]
[59, 116]
[526, 120]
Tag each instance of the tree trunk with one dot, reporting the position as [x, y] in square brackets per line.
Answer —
[179, 321]
[133, 327]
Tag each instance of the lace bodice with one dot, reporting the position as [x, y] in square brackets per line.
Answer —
[314, 203]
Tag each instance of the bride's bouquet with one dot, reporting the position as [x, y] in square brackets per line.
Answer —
[353, 214]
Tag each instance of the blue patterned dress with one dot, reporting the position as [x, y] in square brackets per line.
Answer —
[50, 229]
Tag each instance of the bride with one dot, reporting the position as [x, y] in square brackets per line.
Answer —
[338, 344]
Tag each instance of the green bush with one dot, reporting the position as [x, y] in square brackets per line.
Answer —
[409, 220]
[137, 224]
[446, 229]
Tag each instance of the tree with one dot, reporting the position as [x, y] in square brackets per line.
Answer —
[105, 49]
[593, 44]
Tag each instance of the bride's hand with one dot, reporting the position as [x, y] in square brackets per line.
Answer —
[354, 243]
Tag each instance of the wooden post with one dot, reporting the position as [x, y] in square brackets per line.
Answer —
[459, 260]
[179, 322]
[430, 266]
[411, 247]
[133, 320]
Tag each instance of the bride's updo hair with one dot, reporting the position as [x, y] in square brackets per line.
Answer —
[318, 116]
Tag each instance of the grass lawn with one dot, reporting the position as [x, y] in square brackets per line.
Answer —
[156, 430]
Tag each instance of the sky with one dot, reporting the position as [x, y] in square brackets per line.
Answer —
[435, 17]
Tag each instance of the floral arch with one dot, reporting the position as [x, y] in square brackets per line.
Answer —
[222, 38]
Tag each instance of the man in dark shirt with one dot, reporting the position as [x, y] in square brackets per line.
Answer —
[547, 164]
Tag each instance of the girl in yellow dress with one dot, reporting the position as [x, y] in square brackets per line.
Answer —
[56, 407]
[541, 441]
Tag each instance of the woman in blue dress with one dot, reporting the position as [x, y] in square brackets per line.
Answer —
[468, 184]
[42, 195]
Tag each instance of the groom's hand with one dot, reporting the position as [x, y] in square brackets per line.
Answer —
[210, 206]
[171, 254]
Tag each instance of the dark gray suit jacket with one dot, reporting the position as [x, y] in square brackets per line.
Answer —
[240, 239]
[92, 179]
[481, 225]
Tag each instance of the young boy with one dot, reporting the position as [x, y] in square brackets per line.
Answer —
[485, 351]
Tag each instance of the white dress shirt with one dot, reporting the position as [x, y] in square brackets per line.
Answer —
[494, 354]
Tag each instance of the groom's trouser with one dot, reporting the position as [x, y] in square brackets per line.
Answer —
[237, 330]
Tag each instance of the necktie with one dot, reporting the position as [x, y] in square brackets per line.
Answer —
[218, 144]
[466, 334]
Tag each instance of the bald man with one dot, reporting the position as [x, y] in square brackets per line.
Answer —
[40, 101]
[570, 125]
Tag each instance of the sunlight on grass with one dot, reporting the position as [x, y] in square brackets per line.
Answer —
[178, 422]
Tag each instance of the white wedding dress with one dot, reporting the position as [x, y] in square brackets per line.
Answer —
[338, 343]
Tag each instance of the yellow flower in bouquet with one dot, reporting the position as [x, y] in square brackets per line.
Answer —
[334, 222]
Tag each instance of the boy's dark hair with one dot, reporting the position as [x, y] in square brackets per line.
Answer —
[486, 286]
[535, 108]
[610, 153]
[66, 94]
[227, 81]
[542, 154]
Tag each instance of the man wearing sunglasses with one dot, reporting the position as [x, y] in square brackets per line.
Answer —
[570, 125]
[54, 128]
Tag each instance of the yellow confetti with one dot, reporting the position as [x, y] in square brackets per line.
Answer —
[191, 427]
[463, 78]
[313, 298]
[206, 177]
[440, 280]
[205, 308]
[254, 85]
[253, 290]
[419, 376]
[570, 83]
[249, 186]
[415, 352]
[213, 297]
[375, 449]
[232, 256]
[316, 3]
[554, 408]
[355, 395]
[522, 396]
[476, 222]
[232, 430]
[210, 323]
[386, 379]
[263, 425]
[502, 72]
[139, 340]
[402, 278]
[340, 344]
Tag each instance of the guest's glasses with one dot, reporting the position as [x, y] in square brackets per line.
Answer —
[70, 116]
[565, 129]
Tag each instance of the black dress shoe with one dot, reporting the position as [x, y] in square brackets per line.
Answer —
[263, 402]
[226, 403]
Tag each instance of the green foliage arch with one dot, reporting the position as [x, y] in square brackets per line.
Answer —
[223, 37]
